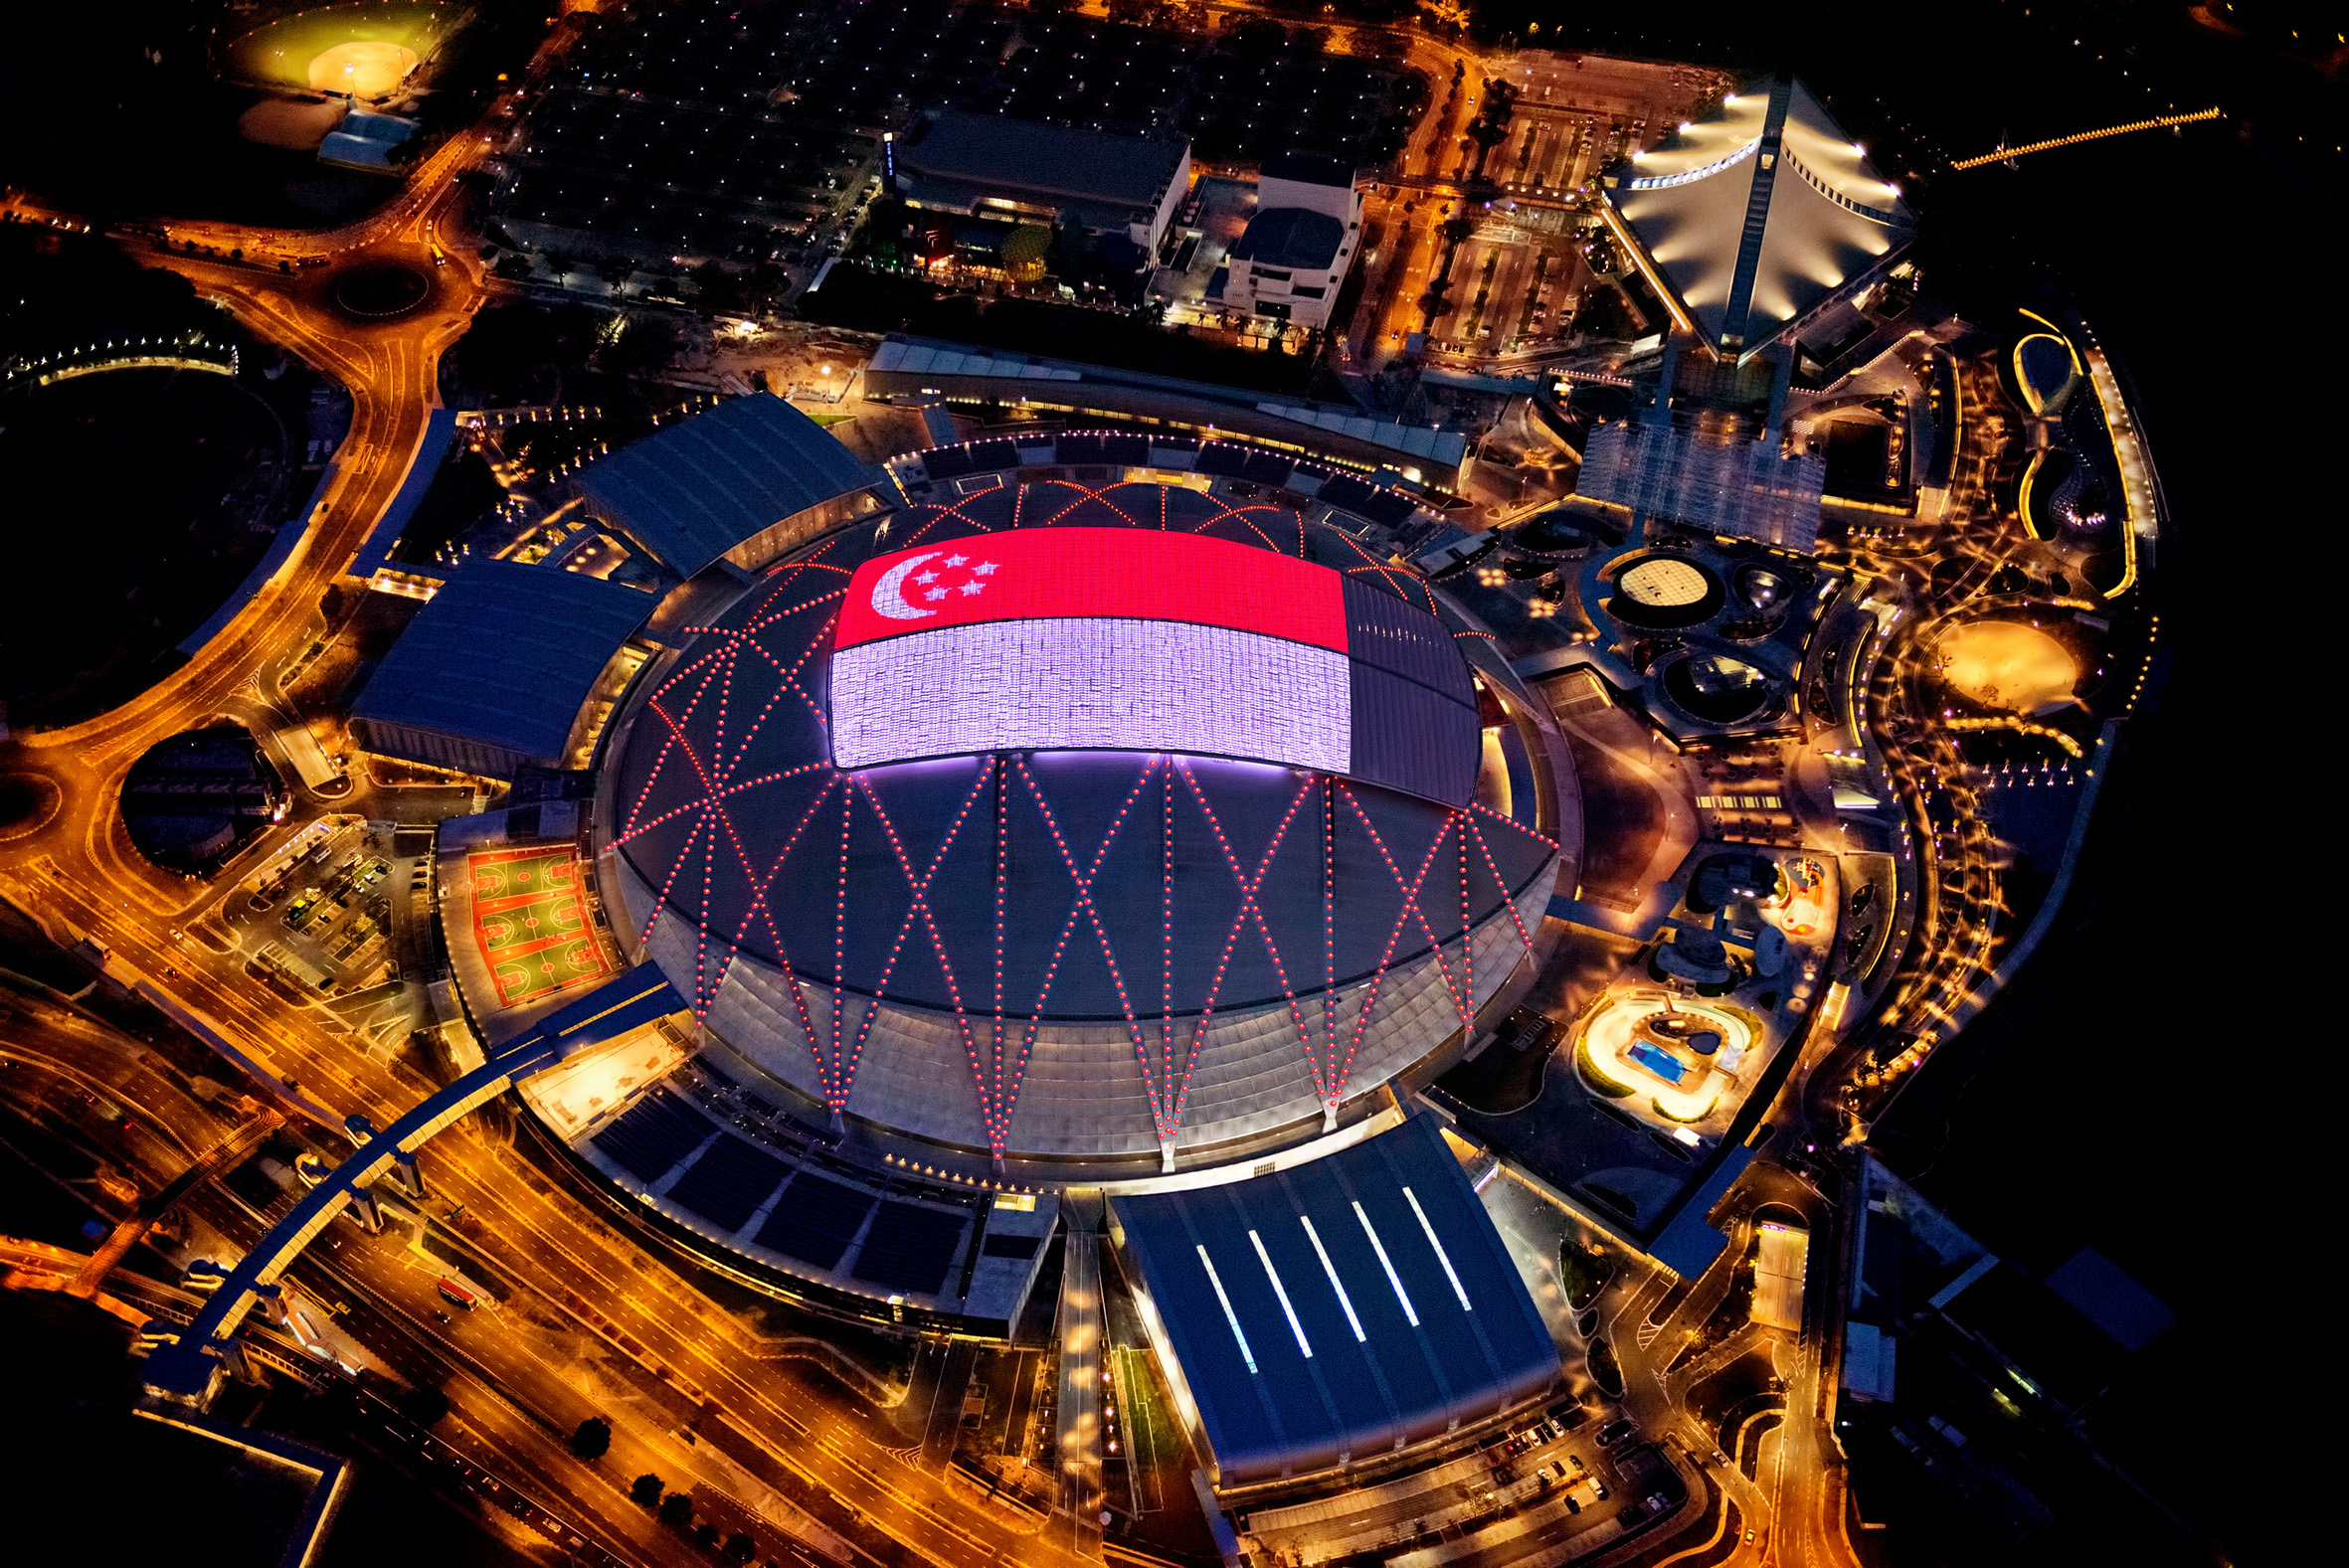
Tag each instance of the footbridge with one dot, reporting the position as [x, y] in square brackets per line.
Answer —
[189, 1370]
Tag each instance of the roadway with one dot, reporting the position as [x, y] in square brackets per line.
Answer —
[79, 875]
[596, 1323]
[579, 1334]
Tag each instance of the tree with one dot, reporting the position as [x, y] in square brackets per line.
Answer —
[644, 345]
[740, 1549]
[715, 288]
[676, 1510]
[592, 1439]
[424, 1406]
[705, 1535]
[645, 1491]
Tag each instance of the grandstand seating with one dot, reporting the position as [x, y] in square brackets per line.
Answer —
[653, 1135]
[910, 1247]
[726, 1185]
[815, 1220]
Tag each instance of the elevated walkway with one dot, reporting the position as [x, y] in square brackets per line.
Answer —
[189, 1371]
[1078, 1414]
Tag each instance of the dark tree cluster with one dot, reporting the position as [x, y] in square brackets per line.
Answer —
[61, 291]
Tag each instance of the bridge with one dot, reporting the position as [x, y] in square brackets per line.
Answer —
[189, 1370]
[2004, 154]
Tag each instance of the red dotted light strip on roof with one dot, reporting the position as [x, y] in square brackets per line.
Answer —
[919, 884]
[1164, 1108]
[1250, 910]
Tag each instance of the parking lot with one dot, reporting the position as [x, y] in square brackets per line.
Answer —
[705, 130]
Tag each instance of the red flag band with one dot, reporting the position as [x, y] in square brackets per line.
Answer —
[1094, 573]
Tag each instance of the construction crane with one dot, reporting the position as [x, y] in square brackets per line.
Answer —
[2009, 154]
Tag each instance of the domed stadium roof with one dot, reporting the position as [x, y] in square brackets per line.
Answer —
[1158, 825]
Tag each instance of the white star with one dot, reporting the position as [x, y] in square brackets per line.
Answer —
[956, 560]
[925, 577]
[972, 588]
[983, 569]
[935, 594]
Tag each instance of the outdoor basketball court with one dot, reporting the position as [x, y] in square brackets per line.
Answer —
[531, 925]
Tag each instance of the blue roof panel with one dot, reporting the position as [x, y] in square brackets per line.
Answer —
[1689, 1244]
[505, 655]
[693, 491]
[1271, 1409]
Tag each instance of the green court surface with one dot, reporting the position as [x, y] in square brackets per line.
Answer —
[530, 925]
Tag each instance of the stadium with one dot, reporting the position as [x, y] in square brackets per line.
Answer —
[1095, 811]
[1153, 887]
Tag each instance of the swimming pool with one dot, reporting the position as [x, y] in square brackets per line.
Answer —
[1662, 1063]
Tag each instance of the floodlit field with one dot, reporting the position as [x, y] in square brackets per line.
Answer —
[366, 48]
[530, 925]
[2005, 665]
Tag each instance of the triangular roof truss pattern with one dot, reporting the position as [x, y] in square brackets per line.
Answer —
[1755, 220]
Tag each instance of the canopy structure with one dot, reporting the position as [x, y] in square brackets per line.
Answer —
[494, 672]
[741, 482]
[1075, 822]
[1337, 1311]
[1752, 223]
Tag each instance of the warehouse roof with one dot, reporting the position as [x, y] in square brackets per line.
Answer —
[1340, 1309]
[1290, 237]
[506, 655]
[693, 491]
[1050, 160]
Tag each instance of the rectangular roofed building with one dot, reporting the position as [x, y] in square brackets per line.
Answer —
[497, 669]
[992, 166]
[1293, 257]
[1335, 1313]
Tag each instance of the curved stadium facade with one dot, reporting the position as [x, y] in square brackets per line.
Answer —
[1166, 851]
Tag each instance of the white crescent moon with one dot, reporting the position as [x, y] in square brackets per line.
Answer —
[888, 600]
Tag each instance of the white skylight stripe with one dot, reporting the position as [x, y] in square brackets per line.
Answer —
[1229, 1316]
[1659, 182]
[1393, 1277]
[1287, 1310]
[1441, 1257]
[1330, 1270]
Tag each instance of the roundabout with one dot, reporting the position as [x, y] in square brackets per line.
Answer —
[29, 802]
[381, 290]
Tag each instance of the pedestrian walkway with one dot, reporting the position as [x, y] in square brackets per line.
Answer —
[1078, 1426]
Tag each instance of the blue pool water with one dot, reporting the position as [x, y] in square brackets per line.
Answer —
[1662, 1063]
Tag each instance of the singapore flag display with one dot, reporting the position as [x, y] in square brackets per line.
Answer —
[1111, 639]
